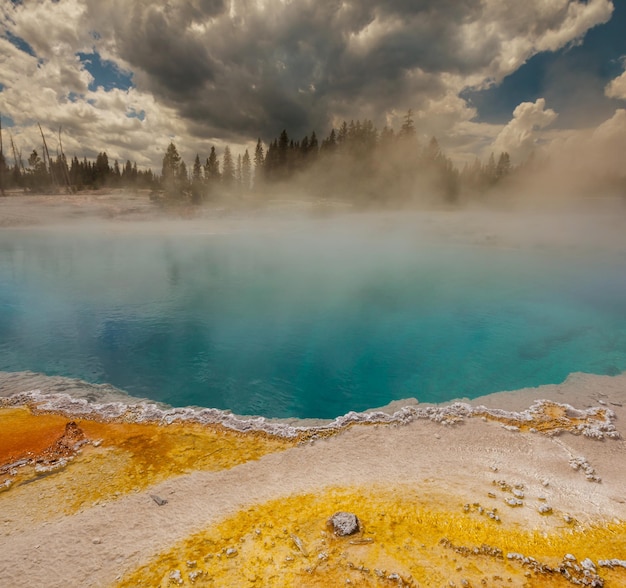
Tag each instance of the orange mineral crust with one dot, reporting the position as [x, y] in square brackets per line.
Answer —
[23, 436]
[103, 460]
[406, 538]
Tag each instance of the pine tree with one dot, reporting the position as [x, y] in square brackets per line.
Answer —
[171, 163]
[102, 170]
[228, 167]
[283, 153]
[313, 146]
[212, 168]
[183, 176]
[38, 174]
[238, 172]
[271, 160]
[330, 143]
[342, 136]
[172, 172]
[259, 162]
[407, 130]
[196, 174]
[304, 146]
[503, 168]
[197, 185]
[246, 171]
[127, 174]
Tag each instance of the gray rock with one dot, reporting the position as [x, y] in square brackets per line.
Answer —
[344, 523]
[160, 501]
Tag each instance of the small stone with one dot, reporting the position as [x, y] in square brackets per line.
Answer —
[344, 523]
[231, 552]
[96, 541]
[160, 501]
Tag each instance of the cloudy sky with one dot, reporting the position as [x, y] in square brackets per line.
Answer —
[128, 76]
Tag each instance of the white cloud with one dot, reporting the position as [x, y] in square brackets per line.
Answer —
[509, 32]
[617, 88]
[216, 72]
[519, 136]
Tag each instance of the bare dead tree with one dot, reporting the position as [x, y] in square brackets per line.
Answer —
[66, 172]
[17, 156]
[50, 167]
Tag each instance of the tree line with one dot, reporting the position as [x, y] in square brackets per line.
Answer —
[43, 175]
[354, 162]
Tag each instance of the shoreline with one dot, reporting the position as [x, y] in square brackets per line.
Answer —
[74, 397]
[478, 460]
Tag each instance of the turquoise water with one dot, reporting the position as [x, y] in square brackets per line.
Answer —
[305, 324]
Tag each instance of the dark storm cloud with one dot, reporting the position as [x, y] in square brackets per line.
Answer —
[174, 61]
[246, 68]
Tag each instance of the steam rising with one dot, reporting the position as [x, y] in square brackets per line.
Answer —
[298, 315]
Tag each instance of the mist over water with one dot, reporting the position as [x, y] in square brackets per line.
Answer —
[313, 320]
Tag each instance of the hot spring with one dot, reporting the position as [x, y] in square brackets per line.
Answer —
[311, 321]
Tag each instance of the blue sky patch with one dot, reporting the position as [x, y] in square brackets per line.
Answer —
[105, 73]
[19, 43]
[567, 79]
[132, 113]
[7, 121]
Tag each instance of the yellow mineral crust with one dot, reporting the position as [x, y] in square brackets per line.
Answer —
[549, 417]
[408, 537]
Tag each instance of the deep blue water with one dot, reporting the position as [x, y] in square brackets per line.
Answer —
[306, 324]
